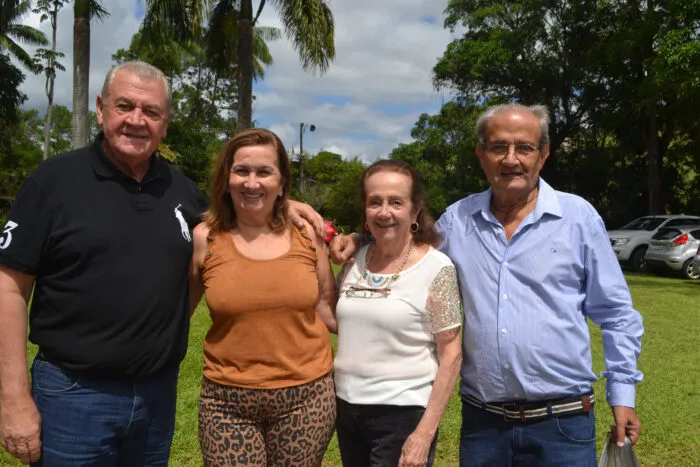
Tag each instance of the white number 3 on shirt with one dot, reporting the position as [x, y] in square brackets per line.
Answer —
[6, 237]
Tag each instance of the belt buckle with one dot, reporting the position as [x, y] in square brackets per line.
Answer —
[513, 408]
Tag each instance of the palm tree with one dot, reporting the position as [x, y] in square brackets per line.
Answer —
[48, 9]
[10, 95]
[83, 12]
[307, 23]
[11, 32]
[221, 40]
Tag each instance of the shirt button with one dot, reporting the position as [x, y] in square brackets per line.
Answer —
[505, 296]
[507, 366]
[504, 331]
[516, 395]
[505, 263]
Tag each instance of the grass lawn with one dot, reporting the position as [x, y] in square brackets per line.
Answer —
[668, 400]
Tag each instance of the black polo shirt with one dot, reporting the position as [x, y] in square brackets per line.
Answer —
[110, 256]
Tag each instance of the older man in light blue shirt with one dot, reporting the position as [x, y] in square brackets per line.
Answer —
[533, 264]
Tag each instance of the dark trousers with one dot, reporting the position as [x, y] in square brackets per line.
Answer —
[373, 435]
[103, 423]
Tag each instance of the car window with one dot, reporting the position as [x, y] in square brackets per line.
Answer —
[679, 222]
[666, 233]
[695, 234]
[644, 223]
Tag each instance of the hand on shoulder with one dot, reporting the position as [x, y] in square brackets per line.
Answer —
[199, 236]
[316, 240]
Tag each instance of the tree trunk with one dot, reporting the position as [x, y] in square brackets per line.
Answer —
[81, 75]
[50, 78]
[654, 164]
[653, 144]
[47, 125]
[245, 66]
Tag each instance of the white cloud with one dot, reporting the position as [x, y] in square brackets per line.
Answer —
[364, 106]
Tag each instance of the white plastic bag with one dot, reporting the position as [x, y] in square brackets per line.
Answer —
[615, 456]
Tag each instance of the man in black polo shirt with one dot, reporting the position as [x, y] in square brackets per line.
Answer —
[103, 234]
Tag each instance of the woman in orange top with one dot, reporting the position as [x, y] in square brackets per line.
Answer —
[267, 394]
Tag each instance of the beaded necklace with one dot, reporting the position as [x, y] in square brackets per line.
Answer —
[376, 286]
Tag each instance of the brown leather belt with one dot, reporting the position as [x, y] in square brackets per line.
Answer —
[522, 411]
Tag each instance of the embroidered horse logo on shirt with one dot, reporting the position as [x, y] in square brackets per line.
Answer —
[184, 229]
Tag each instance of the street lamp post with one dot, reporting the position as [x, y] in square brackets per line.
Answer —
[302, 127]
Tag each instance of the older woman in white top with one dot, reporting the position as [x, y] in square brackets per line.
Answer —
[398, 315]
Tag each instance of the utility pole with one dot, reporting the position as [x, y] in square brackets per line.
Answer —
[302, 127]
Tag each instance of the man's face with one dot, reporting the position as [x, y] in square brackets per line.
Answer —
[517, 170]
[134, 117]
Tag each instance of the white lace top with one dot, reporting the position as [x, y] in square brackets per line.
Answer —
[386, 346]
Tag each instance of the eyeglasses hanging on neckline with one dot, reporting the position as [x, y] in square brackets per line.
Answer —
[356, 291]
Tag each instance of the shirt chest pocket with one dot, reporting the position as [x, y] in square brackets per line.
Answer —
[555, 261]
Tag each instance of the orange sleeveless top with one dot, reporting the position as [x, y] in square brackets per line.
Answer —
[265, 332]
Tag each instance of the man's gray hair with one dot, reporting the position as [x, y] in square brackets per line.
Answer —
[144, 71]
[539, 111]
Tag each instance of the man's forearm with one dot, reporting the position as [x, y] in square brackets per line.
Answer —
[14, 379]
[15, 289]
[20, 421]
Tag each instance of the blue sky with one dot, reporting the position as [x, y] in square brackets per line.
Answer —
[364, 106]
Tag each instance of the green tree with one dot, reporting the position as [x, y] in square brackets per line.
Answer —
[443, 154]
[651, 60]
[619, 78]
[531, 51]
[310, 26]
[12, 32]
[324, 168]
[163, 52]
[47, 59]
[20, 152]
[321, 173]
[307, 23]
[60, 134]
[84, 11]
[222, 36]
[10, 95]
[343, 204]
[315, 195]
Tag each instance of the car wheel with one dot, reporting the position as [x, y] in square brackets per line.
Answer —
[637, 259]
[688, 270]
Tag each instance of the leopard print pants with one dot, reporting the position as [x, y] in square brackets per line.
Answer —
[266, 427]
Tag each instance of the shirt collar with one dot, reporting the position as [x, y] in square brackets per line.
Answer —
[104, 168]
[547, 203]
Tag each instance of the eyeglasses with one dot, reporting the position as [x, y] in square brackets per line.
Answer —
[501, 149]
[355, 291]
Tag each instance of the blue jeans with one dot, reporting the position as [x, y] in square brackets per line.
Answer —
[487, 440]
[91, 422]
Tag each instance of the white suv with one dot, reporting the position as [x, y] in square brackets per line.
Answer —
[631, 241]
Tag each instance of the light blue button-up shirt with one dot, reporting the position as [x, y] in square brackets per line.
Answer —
[526, 301]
